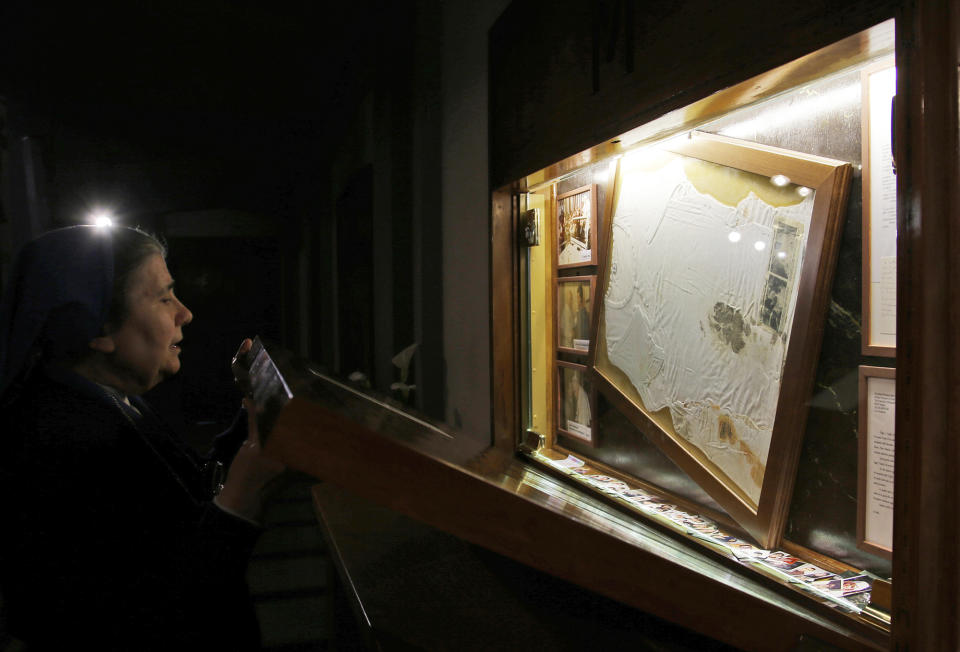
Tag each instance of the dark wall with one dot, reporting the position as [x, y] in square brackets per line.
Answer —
[591, 71]
[199, 108]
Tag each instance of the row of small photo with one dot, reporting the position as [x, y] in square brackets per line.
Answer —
[850, 590]
[576, 213]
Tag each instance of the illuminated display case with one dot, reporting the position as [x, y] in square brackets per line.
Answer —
[723, 342]
[752, 282]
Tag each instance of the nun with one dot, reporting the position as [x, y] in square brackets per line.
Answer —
[115, 535]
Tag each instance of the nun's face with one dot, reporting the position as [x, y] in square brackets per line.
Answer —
[146, 347]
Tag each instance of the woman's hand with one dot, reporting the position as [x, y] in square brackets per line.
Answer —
[249, 473]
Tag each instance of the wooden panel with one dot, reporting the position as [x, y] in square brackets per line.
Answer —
[495, 501]
[566, 76]
[926, 574]
[505, 336]
[447, 594]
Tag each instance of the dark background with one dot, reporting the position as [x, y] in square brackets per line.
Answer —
[160, 109]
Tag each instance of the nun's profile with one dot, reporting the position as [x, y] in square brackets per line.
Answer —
[113, 535]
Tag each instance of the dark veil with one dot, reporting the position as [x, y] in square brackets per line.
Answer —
[57, 300]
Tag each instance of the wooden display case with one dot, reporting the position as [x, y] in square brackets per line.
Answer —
[654, 74]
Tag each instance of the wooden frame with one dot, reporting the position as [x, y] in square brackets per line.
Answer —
[585, 387]
[879, 211]
[577, 233]
[869, 450]
[926, 528]
[569, 326]
[762, 513]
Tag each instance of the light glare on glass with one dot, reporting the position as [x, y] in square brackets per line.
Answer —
[734, 236]
[779, 180]
[759, 245]
[803, 191]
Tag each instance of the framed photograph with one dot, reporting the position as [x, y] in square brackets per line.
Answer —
[876, 414]
[879, 87]
[576, 402]
[715, 279]
[577, 227]
[574, 298]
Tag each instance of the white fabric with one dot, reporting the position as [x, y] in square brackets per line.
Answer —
[676, 279]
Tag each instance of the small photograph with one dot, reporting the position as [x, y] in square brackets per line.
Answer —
[640, 501]
[809, 573]
[615, 487]
[832, 586]
[699, 523]
[787, 240]
[774, 302]
[726, 538]
[600, 478]
[854, 585]
[744, 550]
[648, 505]
[637, 494]
[577, 227]
[703, 530]
[695, 520]
[574, 294]
[782, 561]
[860, 600]
[575, 401]
[570, 462]
[663, 508]
[675, 515]
[656, 505]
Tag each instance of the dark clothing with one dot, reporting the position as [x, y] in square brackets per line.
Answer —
[110, 539]
[58, 298]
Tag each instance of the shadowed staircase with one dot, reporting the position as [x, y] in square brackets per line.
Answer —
[288, 574]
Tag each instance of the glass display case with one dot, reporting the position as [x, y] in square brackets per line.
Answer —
[692, 317]
[689, 429]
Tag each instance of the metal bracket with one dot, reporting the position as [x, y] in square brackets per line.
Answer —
[532, 442]
[528, 234]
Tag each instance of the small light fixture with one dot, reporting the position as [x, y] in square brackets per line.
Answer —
[102, 219]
